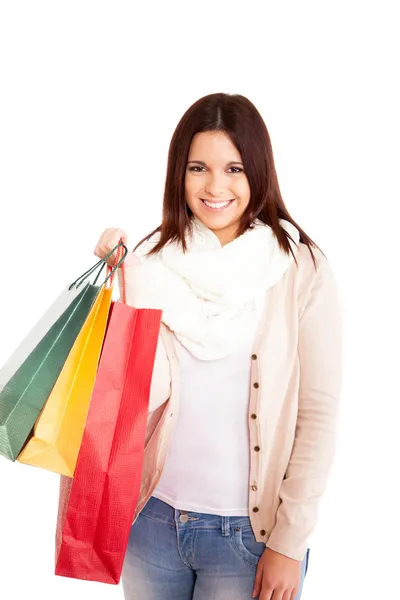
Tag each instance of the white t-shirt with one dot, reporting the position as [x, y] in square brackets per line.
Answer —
[207, 467]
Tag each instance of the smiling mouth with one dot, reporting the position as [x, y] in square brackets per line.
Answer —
[217, 205]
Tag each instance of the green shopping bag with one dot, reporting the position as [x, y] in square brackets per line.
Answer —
[23, 396]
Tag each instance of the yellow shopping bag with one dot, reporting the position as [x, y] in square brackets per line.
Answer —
[58, 431]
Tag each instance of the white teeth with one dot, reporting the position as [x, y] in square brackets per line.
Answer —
[216, 204]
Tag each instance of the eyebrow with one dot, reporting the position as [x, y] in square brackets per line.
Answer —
[200, 162]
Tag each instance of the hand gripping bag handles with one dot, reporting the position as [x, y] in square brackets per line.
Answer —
[96, 507]
[28, 377]
[58, 432]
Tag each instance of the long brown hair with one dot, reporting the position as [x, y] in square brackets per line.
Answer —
[240, 120]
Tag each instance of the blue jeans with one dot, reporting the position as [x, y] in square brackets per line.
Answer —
[173, 555]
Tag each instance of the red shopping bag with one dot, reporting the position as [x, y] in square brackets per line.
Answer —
[96, 507]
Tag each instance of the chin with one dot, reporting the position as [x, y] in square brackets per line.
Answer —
[221, 225]
[215, 222]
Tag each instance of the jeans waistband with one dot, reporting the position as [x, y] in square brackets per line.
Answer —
[162, 512]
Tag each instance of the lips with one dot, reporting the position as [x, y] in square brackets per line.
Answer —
[217, 206]
[213, 201]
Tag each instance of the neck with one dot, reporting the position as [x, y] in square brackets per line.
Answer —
[226, 235]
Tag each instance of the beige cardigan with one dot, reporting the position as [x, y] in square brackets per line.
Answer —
[296, 374]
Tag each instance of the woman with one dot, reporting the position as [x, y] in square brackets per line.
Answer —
[246, 382]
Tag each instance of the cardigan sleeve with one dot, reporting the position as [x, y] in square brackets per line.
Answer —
[320, 360]
[160, 388]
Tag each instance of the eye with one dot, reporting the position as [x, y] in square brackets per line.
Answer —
[192, 169]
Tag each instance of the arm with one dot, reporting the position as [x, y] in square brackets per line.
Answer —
[161, 379]
[320, 358]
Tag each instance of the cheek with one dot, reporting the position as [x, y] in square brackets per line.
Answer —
[243, 191]
[190, 194]
[190, 187]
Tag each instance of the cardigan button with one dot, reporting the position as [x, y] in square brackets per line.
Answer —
[254, 488]
[263, 532]
[256, 385]
[257, 448]
[256, 509]
[254, 357]
[253, 416]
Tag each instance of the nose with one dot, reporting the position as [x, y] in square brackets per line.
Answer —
[215, 188]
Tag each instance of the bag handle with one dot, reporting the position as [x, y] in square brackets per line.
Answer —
[102, 262]
[119, 262]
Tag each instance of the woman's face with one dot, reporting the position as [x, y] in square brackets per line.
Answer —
[216, 187]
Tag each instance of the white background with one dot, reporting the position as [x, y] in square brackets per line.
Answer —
[90, 95]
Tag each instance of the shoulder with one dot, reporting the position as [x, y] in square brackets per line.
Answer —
[306, 267]
[146, 245]
[311, 277]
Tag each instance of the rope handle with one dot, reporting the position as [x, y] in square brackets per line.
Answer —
[112, 271]
[102, 263]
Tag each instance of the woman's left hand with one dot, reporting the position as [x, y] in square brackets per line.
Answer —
[278, 577]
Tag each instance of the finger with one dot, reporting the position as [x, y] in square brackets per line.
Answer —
[98, 251]
[109, 239]
[282, 594]
[100, 246]
[293, 595]
[288, 594]
[275, 594]
[266, 594]
[114, 236]
[257, 583]
[124, 237]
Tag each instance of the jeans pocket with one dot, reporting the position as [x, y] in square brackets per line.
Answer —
[247, 546]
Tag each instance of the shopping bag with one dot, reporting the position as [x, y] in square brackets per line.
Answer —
[96, 507]
[30, 374]
[57, 433]
[37, 333]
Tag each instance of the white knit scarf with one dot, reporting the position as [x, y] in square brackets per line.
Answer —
[212, 295]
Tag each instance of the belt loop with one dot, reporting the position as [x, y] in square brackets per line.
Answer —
[225, 526]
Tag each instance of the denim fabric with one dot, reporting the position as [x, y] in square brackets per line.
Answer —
[208, 557]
